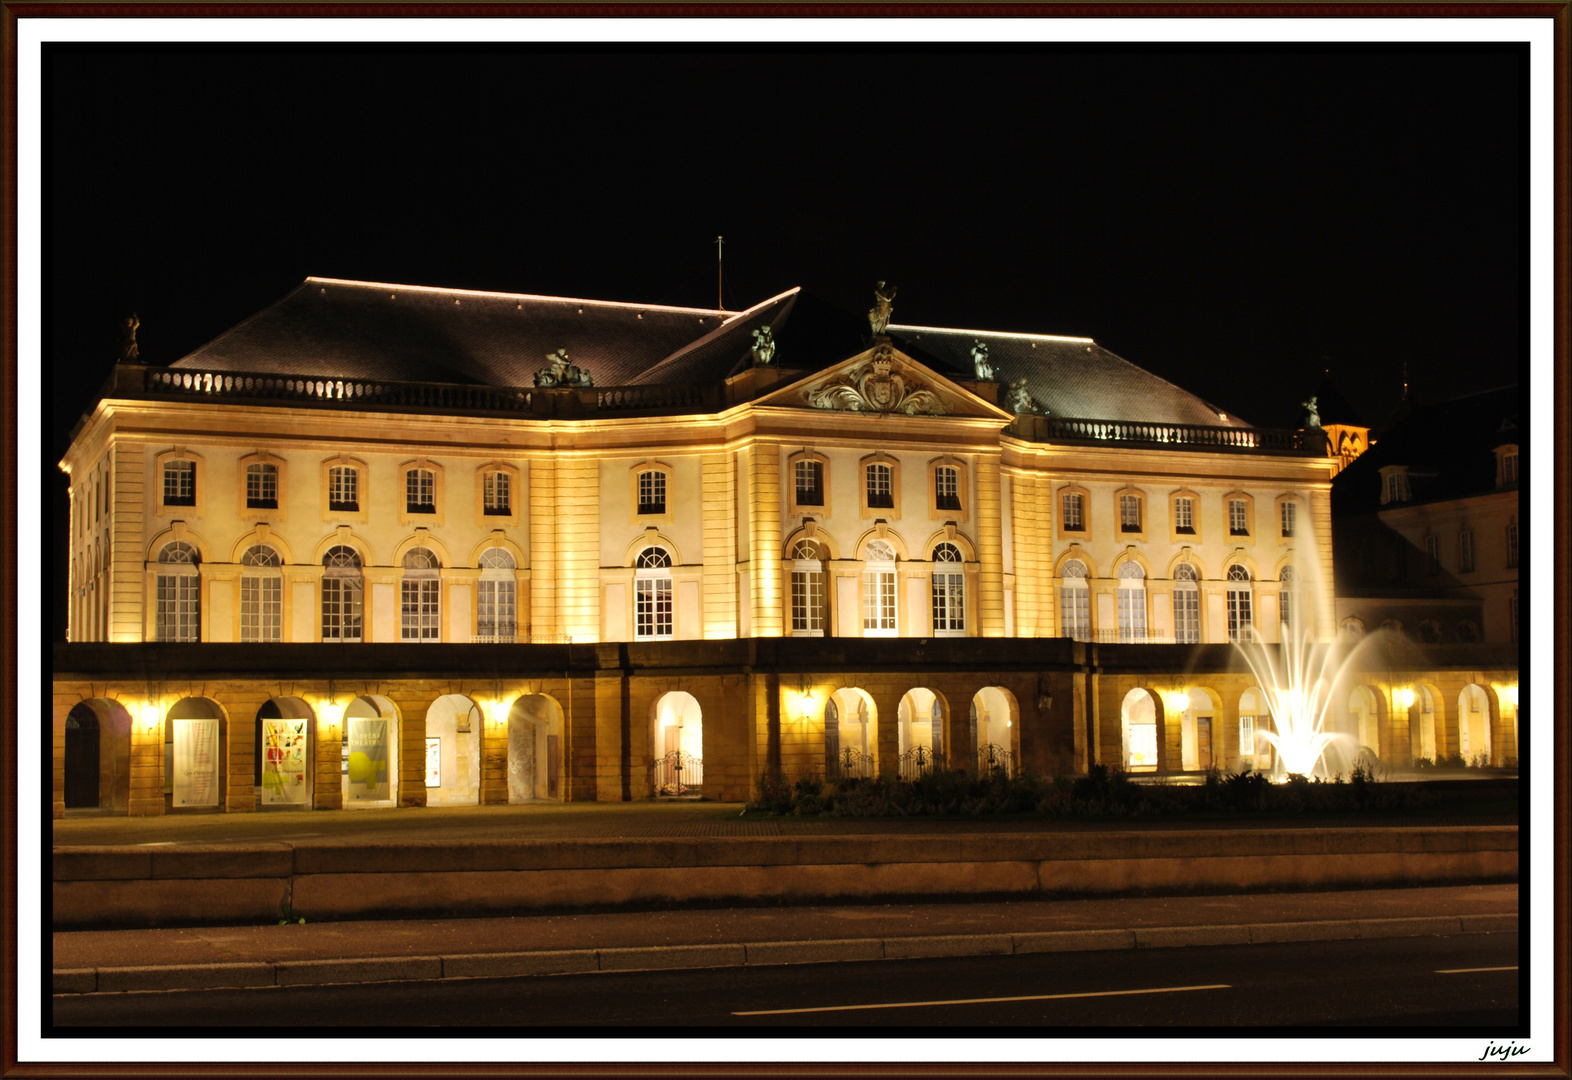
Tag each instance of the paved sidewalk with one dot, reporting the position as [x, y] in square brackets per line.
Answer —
[316, 953]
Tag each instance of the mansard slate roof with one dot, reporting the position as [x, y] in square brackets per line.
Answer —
[404, 333]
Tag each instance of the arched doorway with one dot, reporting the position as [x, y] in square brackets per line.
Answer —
[285, 744]
[1199, 748]
[1138, 731]
[851, 735]
[995, 733]
[1473, 725]
[534, 755]
[453, 726]
[919, 733]
[677, 746]
[194, 773]
[1364, 720]
[82, 758]
[1429, 727]
[369, 753]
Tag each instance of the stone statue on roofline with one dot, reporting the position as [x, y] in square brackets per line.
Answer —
[985, 372]
[129, 353]
[1020, 399]
[883, 308]
[561, 373]
[1312, 413]
[763, 347]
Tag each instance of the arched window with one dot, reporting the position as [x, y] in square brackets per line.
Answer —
[878, 586]
[261, 487]
[652, 607]
[807, 588]
[1132, 602]
[949, 592]
[178, 585]
[497, 606]
[1352, 628]
[261, 595]
[1288, 597]
[1429, 631]
[1075, 604]
[1241, 626]
[1467, 631]
[420, 608]
[342, 593]
[1187, 605]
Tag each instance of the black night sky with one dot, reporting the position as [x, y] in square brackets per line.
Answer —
[1235, 219]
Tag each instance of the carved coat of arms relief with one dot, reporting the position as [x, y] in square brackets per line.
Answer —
[874, 387]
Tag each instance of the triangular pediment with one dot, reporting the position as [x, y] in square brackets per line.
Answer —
[883, 381]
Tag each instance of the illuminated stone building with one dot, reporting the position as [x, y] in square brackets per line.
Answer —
[394, 545]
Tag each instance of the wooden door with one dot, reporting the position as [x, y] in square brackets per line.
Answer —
[1203, 742]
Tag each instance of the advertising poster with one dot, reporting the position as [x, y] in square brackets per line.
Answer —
[433, 762]
[367, 762]
[283, 762]
[195, 763]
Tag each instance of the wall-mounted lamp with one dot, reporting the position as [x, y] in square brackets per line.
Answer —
[333, 713]
[498, 712]
[1178, 701]
[1509, 695]
[151, 715]
[1403, 697]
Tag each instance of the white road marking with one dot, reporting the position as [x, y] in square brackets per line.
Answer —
[157, 843]
[982, 1001]
[1466, 971]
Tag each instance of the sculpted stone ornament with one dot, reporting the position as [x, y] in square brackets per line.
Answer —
[875, 388]
[1312, 413]
[1021, 399]
[562, 373]
[763, 347]
[985, 371]
[883, 308]
[129, 353]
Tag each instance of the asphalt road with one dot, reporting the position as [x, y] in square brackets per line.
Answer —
[1467, 984]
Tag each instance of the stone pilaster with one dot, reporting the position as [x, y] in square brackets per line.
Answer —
[127, 528]
[765, 546]
[719, 489]
[990, 545]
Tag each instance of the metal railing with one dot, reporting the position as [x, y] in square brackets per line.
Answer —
[678, 773]
[916, 762]
[502, 634]
[852, 764]
[1127, 637]
[1198, 436]
[994, 760]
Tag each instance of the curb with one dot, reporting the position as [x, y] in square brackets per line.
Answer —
[749, 954]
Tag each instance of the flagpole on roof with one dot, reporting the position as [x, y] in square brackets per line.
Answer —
[720, 255]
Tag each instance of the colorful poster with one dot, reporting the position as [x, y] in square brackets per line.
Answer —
[284, 763]
[195, 763]
[366, 763]
[433, 762]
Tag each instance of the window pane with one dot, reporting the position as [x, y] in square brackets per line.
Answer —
[498, 493]
[344, 488]
[420, 490]
[1075, 613]
[947, 488]
[180, 483]
[1129, 513]
[1288, 519]
[1187, 616]
[1184, 515]
[949, 603]
[810, 483]
[652, 493]
[1236, 517]
[262, 486]
[880, 492]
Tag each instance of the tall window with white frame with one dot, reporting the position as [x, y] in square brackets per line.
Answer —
[652, 609]
[947, 487]
[1075, 603]
[1511, 544]
[1238, 518]
[1074, 512]
[498, 494]
[497, 598]
[1432, 555]
[1289, 512]
[420, 491]
[652, 492]
[809, 478]
[1288, 601]
[261, 595]
[881, 492]
[1509, 467]
[1187, 606]
[179, 483]
[949, 592]
[420, 597]
[1184, 515]
[261, 487]
[342, 595]
[807, 588]
[343, 489]
[1129, 513]
[177, 615]
[1132, 602]
[1241, 625]
[878, 589]
[1465, 551]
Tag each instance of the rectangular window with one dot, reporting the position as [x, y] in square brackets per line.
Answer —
[420, 612]
[1187, 616]
[1075, 614]
[947, 488]
[1073, 516]
[176, 616]
[420, 491]
[1184, 516]
[652, 492]
[341, 609]
[949, 603]
[261, 608]
[807, 601]
[1509, 468]
[880, 492]
[1433, 555]
[810, 483]
[1247, 736]
[1289, 510]
[497, 610]
[261, 487]
[1511, 539]
[498, 493]
[1132, 615]
[344, 489]
[1129, 513]
[878, 603]
[652, 608]
[1240, 625]
[1465, 551]
[1285, 607]
[179, 483]
[1238, 523]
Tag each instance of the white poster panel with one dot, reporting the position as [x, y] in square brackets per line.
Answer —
[366, 770]
[433, 762]
[195, 763]
[284, 763]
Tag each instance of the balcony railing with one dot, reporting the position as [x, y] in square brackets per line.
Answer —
[1178, 436]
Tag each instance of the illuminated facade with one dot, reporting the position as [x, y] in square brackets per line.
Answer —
[519, 485]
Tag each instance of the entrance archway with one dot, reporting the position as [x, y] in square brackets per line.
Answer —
[534, 757]
[1200, 742]
[1364, 720]
[285, 745]
[995, 731]
[1473, 725]
[1138, 731]
[851, 735]
[369, 753]
[453, 726]
[919, 733]
[82, 739]
[194, 738]
[677, 745]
